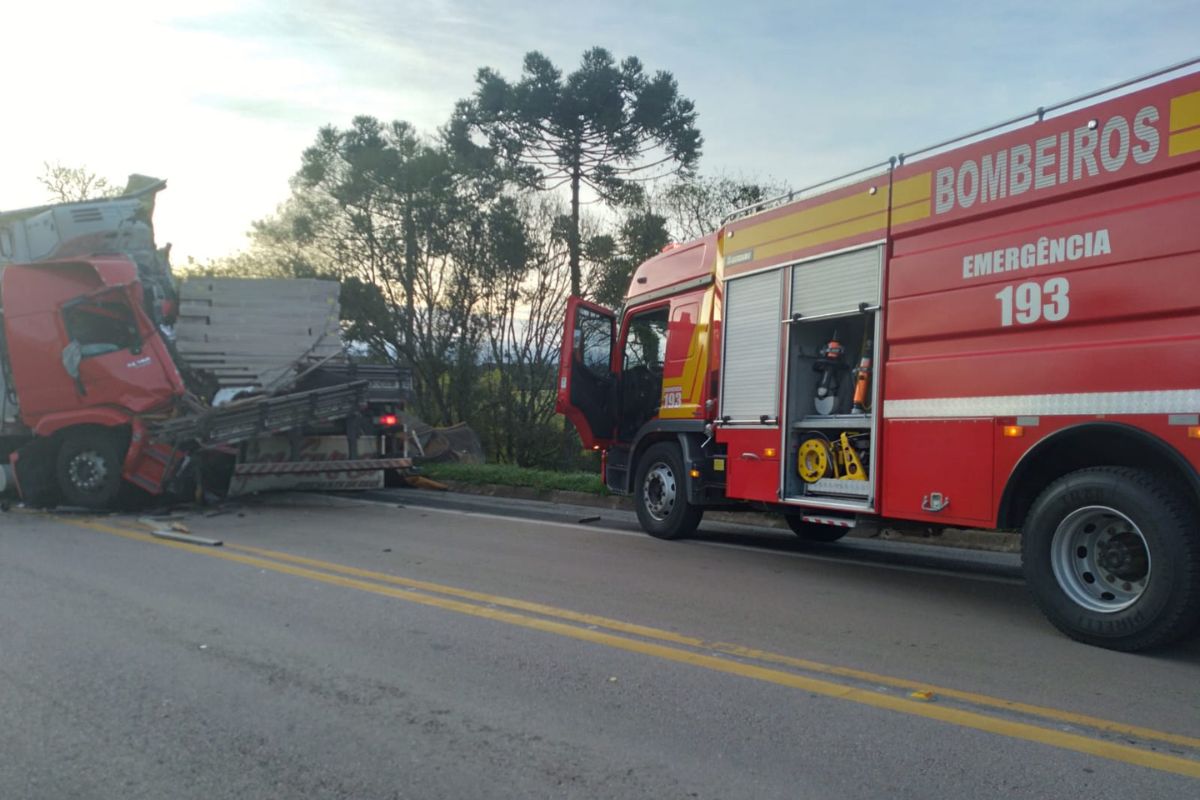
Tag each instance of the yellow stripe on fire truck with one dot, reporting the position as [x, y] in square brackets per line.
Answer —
[1185, 124]
[855, 215]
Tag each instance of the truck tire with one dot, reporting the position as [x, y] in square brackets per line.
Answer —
[813, 532]
[88, 467]
[1112, 558]
[660, 496]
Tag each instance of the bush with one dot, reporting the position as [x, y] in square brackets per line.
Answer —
[508, 475]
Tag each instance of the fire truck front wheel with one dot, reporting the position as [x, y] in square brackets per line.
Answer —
[1112, 557]
[88, 467]
[660, 494]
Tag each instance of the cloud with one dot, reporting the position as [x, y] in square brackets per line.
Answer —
[222, 97]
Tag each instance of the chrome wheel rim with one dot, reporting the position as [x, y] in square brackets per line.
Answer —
[87, 470]
[659, 491]
[1100, 559]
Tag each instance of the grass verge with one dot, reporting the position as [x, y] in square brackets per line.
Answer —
[509, 475]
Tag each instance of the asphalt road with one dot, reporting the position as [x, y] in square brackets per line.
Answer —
[411, 645]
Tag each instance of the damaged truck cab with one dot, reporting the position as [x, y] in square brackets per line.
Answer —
[89, 366]
[96, 400]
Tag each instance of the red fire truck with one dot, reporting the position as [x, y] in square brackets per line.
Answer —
[1001, 331]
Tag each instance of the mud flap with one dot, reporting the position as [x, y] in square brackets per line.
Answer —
[151, 467]
[33, 468]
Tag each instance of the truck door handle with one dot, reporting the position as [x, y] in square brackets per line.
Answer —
[935, 502]
[751, 456]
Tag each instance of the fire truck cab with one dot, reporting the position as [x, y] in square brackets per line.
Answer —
[999, 331]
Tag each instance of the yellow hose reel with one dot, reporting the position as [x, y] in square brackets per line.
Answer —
[818, 458]
[815, 460]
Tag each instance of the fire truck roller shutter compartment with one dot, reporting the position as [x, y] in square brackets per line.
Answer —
[750, 380]
[834, 306]
[837, 284]
[750, 383]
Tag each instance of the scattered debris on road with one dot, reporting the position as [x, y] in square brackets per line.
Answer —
[186, 538]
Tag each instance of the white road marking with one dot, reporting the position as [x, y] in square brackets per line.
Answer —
[726, 545]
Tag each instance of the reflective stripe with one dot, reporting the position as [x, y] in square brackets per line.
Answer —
[1172, 401]
[838, 522]
[294, 467]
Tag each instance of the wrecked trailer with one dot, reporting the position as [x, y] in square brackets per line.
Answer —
[96, 405]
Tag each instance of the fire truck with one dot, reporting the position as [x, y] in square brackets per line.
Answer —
[1000, 331]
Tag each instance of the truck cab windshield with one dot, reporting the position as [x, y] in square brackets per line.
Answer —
[102, 324]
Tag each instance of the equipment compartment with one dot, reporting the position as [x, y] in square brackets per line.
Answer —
[828, 445]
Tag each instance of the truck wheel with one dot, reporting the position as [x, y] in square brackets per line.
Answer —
[812, 532]
[660, 496]
[88, 468]
[1112, 557]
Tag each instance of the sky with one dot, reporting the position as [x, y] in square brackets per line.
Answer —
[221, 97]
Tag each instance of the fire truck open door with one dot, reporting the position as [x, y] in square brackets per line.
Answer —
[585, 380]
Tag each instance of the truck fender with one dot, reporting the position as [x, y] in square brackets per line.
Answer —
[1083, 445]
[102, 416]
[656, 430]
[693, 458]
[146, 464]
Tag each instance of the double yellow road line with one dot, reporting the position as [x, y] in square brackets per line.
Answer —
[1091, 735]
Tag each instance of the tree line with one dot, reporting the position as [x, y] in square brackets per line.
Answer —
[457, 249]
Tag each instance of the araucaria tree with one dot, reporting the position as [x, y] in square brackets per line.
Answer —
[608, 127]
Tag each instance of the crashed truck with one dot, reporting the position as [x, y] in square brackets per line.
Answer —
[115, 383]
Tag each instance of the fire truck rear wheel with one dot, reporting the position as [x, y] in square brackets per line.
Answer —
[88, 467]
[660, 494]
[811, 531]
[1112, 557]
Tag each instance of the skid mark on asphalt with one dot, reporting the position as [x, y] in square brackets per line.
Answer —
[1092, 736]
